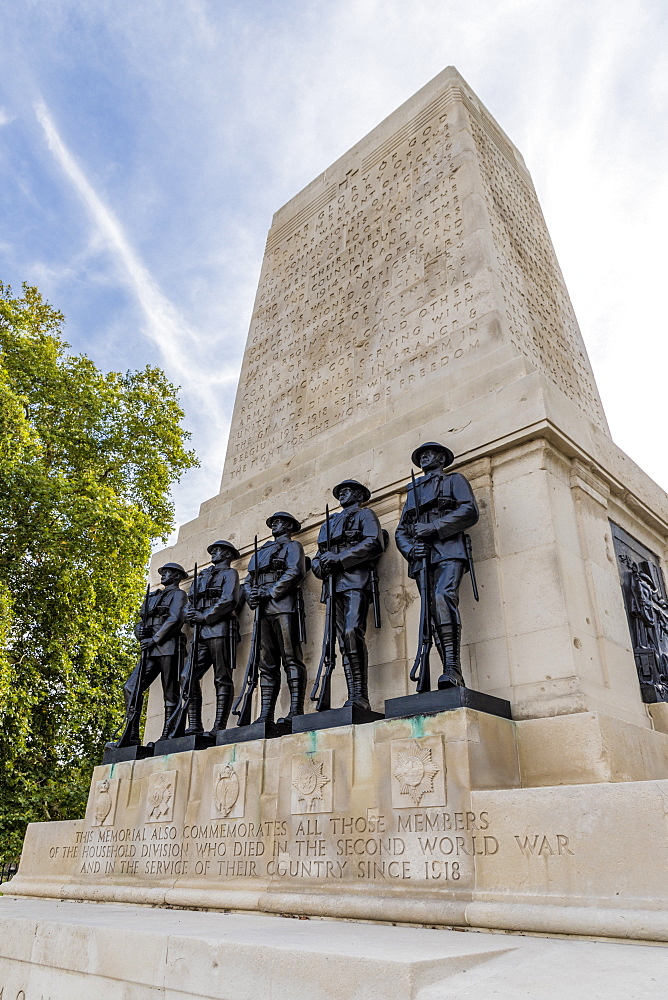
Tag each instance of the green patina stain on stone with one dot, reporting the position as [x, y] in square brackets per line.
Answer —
[313, 738]
[417, 726]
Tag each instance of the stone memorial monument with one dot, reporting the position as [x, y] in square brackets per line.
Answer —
[409, 301]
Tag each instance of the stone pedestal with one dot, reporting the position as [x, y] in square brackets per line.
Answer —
[255, 731]
[433, 702]
[349, 715]
[427, 820]
[179, 744]
[116, 755]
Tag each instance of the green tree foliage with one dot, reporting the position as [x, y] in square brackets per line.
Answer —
[86, 464]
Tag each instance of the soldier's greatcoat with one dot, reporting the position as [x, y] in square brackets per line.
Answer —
[218, 597]
[164, 619]
[357, 539]
[281, 568]
[447, 502]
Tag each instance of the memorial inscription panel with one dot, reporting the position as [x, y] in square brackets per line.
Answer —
[423, 246]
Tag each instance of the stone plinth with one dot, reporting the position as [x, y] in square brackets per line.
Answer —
[419, 820]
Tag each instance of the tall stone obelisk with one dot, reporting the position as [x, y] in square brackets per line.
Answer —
[411, 292]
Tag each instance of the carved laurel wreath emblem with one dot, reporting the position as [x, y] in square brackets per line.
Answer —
[415, 771]
[227, 790]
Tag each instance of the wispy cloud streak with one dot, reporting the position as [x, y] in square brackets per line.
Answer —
[174, 338]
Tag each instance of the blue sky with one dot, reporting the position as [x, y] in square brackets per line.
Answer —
[145, 146]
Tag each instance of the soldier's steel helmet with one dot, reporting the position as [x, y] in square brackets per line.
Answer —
[449, 457]
[353, 485]
[222, 544]
[288, 517]
[176, 566]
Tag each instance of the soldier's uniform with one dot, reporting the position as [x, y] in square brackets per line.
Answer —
[446, 502]
[356, 537]
[218, 598]
[281, 568]
[162, 620]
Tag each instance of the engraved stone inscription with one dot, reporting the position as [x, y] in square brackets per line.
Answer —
[160, 797]
[394, 276]
[418, 773]
[229, 789]
[312, 782]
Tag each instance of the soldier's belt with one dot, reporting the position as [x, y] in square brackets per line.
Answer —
[268, 575]
[210, 594]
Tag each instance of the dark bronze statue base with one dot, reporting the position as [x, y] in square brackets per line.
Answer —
[256, 731]
[432, 702]
[349, 715]
[182, 743]
[115, 755]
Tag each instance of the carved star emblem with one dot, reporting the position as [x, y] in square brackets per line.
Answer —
[415, 771]
[309, 782]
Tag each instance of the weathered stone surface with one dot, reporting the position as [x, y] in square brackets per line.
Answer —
[417, 820]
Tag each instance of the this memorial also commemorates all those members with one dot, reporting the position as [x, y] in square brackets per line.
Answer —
[409, 296]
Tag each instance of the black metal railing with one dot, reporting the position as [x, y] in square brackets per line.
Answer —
[7, 870]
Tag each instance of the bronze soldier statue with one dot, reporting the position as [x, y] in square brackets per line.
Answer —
[275, 585]
[162, 644]
[211, 606]
[430, 536]
[347, 556]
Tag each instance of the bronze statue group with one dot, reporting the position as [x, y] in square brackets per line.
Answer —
[431, 536]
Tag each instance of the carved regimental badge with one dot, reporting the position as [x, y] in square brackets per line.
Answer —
[418, 773]
[104, 804]
[312, 782]
[160, 797]
[229, 789]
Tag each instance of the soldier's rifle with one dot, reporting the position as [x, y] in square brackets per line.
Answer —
[421, 671]
[135, 699]
[243, 705]
[375, 590]
[322, 688]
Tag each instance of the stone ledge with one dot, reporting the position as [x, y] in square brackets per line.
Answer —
[113, 952]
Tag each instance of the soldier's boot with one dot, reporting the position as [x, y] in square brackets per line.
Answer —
[168, 727]
[358, 685]
[448, 647]
[223, 705]
[195, 726]
[297, 688]
[268, 697]
[350, 682]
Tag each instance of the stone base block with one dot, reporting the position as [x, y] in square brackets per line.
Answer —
[432, 702]
[349, 715]
[115, 755]
[256, 731]
[590, 747]
[181, 744]
[113, 952]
